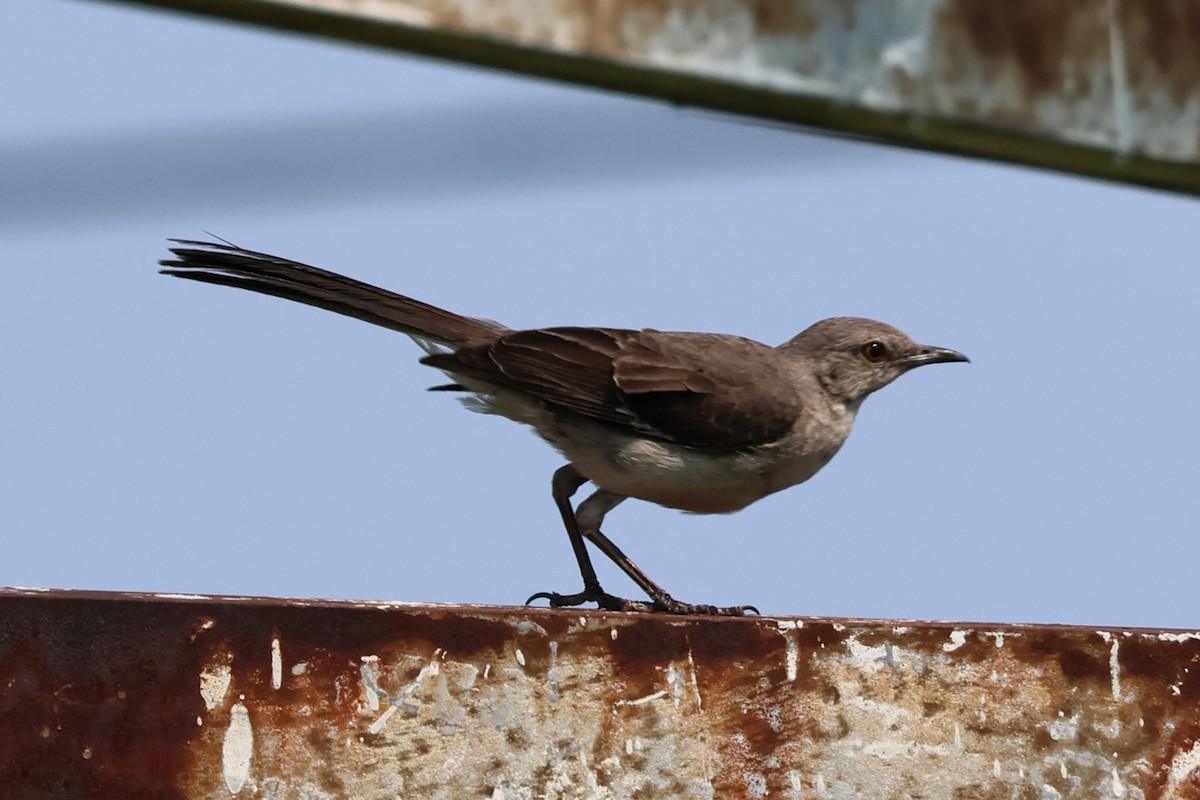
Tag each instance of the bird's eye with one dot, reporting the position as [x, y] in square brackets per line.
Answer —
[874, 351]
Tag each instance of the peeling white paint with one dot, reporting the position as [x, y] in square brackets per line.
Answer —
[1114, 668]
[1118, 788]
[214, 685]
[276, 663]
[795, 781]
[792, 659]
[381, 721]
[695, 680]
[675, 682]
[756, 785]
[1183, 765]
[238, 749]
[552, 676]
[867, 658]
[957, 639]
[368, 673]
[1064, 729]
[643, 700]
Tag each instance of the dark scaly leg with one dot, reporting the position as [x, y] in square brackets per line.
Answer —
[564, 484]
[590, 515]
[585, 523]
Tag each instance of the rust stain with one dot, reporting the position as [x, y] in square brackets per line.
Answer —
[140, 696]
[1029, 34]
[1162, 36]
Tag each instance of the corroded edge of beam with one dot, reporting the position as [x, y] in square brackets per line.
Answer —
[145, 695]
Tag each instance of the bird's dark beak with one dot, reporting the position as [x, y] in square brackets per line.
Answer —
[933, 355]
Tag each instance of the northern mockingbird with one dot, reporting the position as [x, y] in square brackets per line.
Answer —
[702, 422]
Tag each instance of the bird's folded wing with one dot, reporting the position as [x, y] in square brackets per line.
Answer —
[707, 391]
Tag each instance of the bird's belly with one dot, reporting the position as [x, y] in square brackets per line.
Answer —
[702, 483]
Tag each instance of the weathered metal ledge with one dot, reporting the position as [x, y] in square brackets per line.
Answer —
[155, 696]
[1104, 88]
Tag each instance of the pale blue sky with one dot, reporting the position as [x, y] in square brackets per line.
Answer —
[157, 435]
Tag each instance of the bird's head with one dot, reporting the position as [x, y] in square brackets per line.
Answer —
[853, 357]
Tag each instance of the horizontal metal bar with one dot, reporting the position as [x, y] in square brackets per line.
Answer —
[1104, 88]
[121, 695]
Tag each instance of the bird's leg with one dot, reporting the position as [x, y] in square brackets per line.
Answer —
[588, 517]
[564, 484]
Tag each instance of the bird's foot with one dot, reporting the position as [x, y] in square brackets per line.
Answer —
[666, 604]
[604, 600]
[662, 604]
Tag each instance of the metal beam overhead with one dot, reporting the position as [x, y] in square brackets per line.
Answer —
[1104, 88]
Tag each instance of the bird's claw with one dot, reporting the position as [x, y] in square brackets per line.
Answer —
[669, 605]
[661, 605]
[604, 600]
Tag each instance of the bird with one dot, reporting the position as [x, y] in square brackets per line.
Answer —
[705, 423]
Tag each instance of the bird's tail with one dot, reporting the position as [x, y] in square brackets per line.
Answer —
[228, 265]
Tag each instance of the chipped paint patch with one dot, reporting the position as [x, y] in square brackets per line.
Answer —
[869, 658]
[1114, 669]
[792, 659]
[214, 685]
[368, 674]
[1118, 787]
[641, 701]
[276, 663]
[1180, 774]
[528, 626]
[1064, 729]
[237, 749]
[957, 640]
[378, 725]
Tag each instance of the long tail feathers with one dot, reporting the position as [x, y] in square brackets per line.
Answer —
[229, 265]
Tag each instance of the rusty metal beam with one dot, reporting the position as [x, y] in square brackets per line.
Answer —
[1104, 88]
[131, 696]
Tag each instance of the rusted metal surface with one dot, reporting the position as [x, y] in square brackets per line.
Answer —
[1107, 88]
[127, 696]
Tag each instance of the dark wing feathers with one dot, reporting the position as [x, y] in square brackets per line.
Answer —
[567, 367]
[706, 391]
